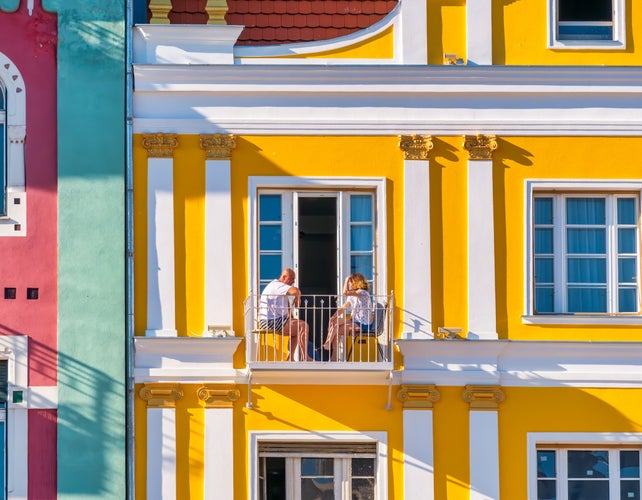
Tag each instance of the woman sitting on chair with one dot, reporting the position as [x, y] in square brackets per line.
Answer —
[355, 288]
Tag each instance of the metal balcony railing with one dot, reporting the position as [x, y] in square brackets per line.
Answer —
[270, 345]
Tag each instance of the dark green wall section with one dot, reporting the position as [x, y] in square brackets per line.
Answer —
[91, 246]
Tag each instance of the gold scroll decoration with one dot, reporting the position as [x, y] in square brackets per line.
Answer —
[480, 147]
[218, 146]
[160, 145]
[218, 396]
[483, 397]
[415, 147]
[418, 396]
[160, 395]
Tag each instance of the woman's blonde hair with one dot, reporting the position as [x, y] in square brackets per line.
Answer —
[359, 282]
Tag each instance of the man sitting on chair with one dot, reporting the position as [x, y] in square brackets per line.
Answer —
[275, 314]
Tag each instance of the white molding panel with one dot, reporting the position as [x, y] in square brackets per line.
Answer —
[484, 455]
[388, 100]
[161, 447]
[418, 451]
[218, 245]
[479, 32]
[219, 454]
[522, 363]
[482, 321]
[161, 292]
[417, 312]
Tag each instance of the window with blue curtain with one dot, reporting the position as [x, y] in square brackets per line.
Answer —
[270, 238]
[586, 255]
[362, 235]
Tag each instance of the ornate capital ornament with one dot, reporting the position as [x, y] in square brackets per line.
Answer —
[218, 396]
[480, 147]
[418, 396]
[218, 146]
[415, 147]
[160, 145]
[160, 395]
[483, 397]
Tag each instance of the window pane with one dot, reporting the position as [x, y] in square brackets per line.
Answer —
[586, 270]
[361, 238]
[630, 463]
[363, 467]
[270, 207]
[586, 240]
[363, 489]
[585, 10]
[543, 210]
[274, 479]
[546, 463]
[630, 490]
[316, 489]
[543, 270]
[589, 464]
[585, 32]
[546, 490]
[362, 264]
[544, 300]
[626, 270]
[585, 210]
[361, 208]
[586, 300]
[270, 237]
[626, 211]
[317, 466]
[543, 240]
[627, 300]
[269, 267]
[588, 490]
[626, 240]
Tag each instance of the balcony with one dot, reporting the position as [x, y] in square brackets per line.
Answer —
[356, 348]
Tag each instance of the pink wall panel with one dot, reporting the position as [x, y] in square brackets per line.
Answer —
[42, 454]
[31, 261]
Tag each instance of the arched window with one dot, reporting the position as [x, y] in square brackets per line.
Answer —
[13, 200]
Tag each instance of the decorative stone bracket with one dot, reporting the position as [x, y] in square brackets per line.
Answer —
[418, 396]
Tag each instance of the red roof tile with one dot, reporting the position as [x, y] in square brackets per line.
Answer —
[288, 21]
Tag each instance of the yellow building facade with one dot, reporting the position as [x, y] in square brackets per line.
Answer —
[476, 162]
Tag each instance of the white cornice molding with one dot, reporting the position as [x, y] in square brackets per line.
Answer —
[388, 100]
[522, 363]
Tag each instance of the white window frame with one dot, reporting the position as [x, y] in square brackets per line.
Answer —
[619, 31]
[561, 187]
[14, 222]
[378, 437]
[289, 184]
[567, 440]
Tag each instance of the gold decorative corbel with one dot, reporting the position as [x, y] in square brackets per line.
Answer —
[415, 147]
[218, 146]
[480, 147]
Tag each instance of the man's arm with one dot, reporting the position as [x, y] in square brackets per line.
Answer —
[296, 293]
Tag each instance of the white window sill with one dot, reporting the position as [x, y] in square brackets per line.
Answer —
[581, 319]
[587, 45]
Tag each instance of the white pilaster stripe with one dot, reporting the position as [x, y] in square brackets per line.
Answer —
[419, 476]
[218, 244]
[479, 32]
[417, 314]
[17, 453]
[219, 454]
[161, 453]
[481, 251]
[484, 456]
[161, 301]
[413, 39]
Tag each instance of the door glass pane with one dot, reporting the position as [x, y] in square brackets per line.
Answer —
[585, 210]
[361, 238]
[270, 207]
[584, 240]
[586, 270]
[543, 210]
[272, 479]
[270, 237]
[626, 211]
[361, 208]
[586, 300]
[270, 267]
[362, 264]
[626, 239]
[317, 478]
